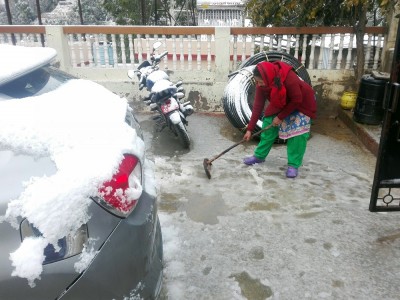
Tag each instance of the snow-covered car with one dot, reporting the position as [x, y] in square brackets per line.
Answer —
[78, 198]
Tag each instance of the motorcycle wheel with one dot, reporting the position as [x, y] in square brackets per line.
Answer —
[182, 134]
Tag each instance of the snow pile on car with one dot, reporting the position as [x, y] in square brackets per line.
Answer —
[81, 127]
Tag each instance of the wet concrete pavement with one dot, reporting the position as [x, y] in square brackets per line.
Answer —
[251, 233]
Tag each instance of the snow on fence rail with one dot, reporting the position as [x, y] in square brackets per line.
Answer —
[196, 48]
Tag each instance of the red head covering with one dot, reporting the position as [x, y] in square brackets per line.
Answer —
[273, 75]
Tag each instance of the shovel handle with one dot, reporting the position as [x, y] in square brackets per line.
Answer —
[241, 142]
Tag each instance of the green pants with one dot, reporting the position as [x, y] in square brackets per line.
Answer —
[296, 146]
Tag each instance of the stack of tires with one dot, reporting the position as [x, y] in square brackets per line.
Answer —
[238, 97]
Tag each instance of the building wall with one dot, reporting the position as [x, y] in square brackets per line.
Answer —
[205, 91]
[220, 13]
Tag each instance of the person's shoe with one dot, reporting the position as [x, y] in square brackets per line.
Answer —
[252, 160]
[291, 172]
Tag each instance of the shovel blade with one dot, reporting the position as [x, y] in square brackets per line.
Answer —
[207, 167]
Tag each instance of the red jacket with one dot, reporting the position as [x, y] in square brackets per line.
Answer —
[299, 96]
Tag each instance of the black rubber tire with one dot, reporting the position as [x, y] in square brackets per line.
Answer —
[278, 56]
[236, 95]
[182, 134]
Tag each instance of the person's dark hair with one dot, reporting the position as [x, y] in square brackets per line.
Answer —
[256, 72]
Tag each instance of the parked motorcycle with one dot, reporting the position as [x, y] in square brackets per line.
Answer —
[164, 97]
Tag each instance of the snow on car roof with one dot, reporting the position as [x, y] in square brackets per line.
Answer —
[16, 61]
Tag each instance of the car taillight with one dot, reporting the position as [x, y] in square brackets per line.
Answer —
[120, 194]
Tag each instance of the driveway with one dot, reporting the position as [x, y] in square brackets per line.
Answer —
[251, 233]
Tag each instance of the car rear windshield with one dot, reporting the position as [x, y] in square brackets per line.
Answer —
[38, 82]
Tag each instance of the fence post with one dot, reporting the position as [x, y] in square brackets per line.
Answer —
[390, 40]
[222, 52]
[57, 40]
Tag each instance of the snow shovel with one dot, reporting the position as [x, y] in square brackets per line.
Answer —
[208, 162]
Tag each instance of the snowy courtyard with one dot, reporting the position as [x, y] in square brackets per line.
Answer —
[251, 233]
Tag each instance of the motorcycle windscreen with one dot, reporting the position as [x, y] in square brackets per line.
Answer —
[144, 64]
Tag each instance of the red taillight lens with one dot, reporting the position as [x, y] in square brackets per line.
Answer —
[123, 190]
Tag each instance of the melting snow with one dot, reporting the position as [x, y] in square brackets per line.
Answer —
[27, 259]
[85, 257]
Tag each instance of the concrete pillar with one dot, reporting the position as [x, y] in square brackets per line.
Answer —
[57, 40]
[222, 52]
[388, 47]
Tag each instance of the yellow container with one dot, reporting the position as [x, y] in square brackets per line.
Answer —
[348, 100]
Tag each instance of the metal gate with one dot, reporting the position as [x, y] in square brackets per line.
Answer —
[385, 195]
